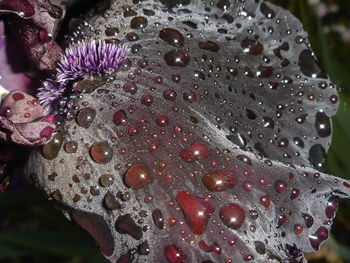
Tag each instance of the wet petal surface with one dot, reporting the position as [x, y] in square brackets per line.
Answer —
[210, 134]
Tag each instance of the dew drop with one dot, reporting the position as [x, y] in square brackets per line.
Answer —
[174, 254]
[232, 215]
[51, 149]
[323, 124]
[101, 152]
[178, 58]
[85, 117]
[172, 37]
[220, 180]
[137, 176]
[197, 211]
[71, 147]
[126, 225]
[119, 117]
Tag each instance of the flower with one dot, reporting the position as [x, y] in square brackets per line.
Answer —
[81, 60]
[205, 146]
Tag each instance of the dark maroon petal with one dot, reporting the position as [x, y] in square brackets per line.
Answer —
[13, 65]
[242, 102]
[35, 22]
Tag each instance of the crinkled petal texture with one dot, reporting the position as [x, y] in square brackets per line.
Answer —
[35, 23]
[204, 146]
[23, 121]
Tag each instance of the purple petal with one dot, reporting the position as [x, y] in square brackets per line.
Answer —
[36, 30]
[205, 146]
[13, 65]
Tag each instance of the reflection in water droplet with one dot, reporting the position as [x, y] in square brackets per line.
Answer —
[137, 176]
[220, 180]
[232, 215]
[197, 211]
[174, 254]
[85, 117]
[51, 149]
[172, 37]
[101, 152]
[177, 57]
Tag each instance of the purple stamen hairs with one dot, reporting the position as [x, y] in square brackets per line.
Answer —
[80, 60]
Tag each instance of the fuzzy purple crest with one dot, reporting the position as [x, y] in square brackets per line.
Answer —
[80, 60]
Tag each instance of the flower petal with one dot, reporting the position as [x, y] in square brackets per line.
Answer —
[23, 121]
[222, 108]
[35, 23]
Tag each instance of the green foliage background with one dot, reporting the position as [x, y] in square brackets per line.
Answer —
[32, 231]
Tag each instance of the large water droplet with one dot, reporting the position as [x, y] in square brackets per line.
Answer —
[137, 176]
[220, 180]
[101, 152]
[85, 117]
[126, 225]
[172, 37]
[174, 254]
[197, 211]
[51, 149]
[323, 124]
[178, 58]
[232, 215]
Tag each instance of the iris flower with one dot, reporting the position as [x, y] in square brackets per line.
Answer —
[184, 131]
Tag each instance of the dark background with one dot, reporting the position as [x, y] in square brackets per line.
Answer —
[33, 231]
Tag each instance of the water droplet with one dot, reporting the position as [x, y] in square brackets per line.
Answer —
[309, 66]
[294, 193]
[85, 117]
[267, 11]
[280, 186]
[174, 254]
[137, 176]
[51, 149]
[162, 120]
[144, 248]
[196, 151]
[172, 37]
[169, 94]
[110, 202]
[119, 117]
[298, 229]
[265, 201]
[323, 124]
[71, 147]
[197, 211]
[252, 47]
[209, 45]
[178, 58]
[232, 215]
[147, 100]
[318, 237]
[220, 180]
[158, 218]
[309, 220]
[101, 152]
[138, 22]
[106, 180]
[317, 155]
[126, 225]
